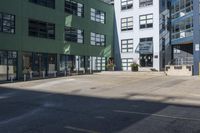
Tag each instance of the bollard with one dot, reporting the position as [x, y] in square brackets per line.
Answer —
[24, 77]
[43, 74]
[31, 75]
[11, 79]
[65, 73]
[55, 74]
[84, 71]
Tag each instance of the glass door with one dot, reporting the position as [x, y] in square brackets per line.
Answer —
[3, 66]
[12, 65]
[146, 60]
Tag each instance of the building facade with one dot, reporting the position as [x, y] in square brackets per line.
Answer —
[185, 33]
[137, 35]
[182, 31]
[48, 37]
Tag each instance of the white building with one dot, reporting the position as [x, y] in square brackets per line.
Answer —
[137, 35]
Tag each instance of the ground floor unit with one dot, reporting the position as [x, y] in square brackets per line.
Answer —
[16, 65]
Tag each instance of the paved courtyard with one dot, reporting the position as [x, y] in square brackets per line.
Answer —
[102, 103]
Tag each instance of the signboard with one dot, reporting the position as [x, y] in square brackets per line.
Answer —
[197, 47]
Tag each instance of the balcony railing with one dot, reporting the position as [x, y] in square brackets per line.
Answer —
[182, 61]
[183, 34]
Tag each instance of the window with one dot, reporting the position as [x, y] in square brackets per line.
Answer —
[7, 23]
[100, 63]
[127, 24]
[126, 64]
[98, 16]
[177, 49]
[126, 4]
[127, 45]
[41, 29]
[46, 3]
[97, 39]
[144, 3]
[74, 35]
[182, 29]
[149, 39]
[146, 21]
[181, 8]
[75, 8]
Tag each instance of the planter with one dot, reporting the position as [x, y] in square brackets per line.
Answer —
[110, 68]
[134, 69]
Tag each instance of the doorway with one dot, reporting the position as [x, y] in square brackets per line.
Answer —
[8, 65]
[146, 60]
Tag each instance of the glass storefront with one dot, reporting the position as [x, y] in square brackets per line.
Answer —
[39, 64]
[8, 65]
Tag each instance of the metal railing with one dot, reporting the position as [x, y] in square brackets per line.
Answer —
[182, 61]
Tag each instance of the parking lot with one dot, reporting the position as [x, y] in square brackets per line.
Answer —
[102, 103]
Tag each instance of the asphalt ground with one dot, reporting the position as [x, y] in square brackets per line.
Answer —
[102, 103]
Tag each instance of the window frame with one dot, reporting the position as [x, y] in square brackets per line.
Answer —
[145, 26]
[145, 3]
[74, 32]
[128, 25]
[97, 16]
[72, 10]
[41, 31]
[128, 63]
[97, 39]
[127, 44]
[45, 3]
[7, 25]
[126, 7]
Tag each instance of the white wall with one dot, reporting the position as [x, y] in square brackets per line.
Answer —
[136, 33]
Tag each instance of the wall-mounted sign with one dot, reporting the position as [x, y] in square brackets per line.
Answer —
[197, 47]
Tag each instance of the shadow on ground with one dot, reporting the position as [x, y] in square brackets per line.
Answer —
[26, 111]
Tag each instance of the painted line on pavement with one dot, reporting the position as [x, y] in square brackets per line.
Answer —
[80, 129]
[156, 115]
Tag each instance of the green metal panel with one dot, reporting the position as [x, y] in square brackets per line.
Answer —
[24, 10]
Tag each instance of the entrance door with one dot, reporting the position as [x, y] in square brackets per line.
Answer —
[3, 66]
[8, 65]
[12, 65]
[146, 60]
[40, 64]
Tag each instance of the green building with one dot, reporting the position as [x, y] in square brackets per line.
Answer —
[44, 38]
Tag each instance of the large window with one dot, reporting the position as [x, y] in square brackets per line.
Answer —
[181, 8]
[127, 45]
[97, 39]
[74, 35]
[146, 21]
[126, 4]
[100, 63]
[144, 3]
[46, 3]
[75, 8]
[126, 64]
[183, 28]
[41, 29]
[127, 24]
[7, 23]
[98, 16]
